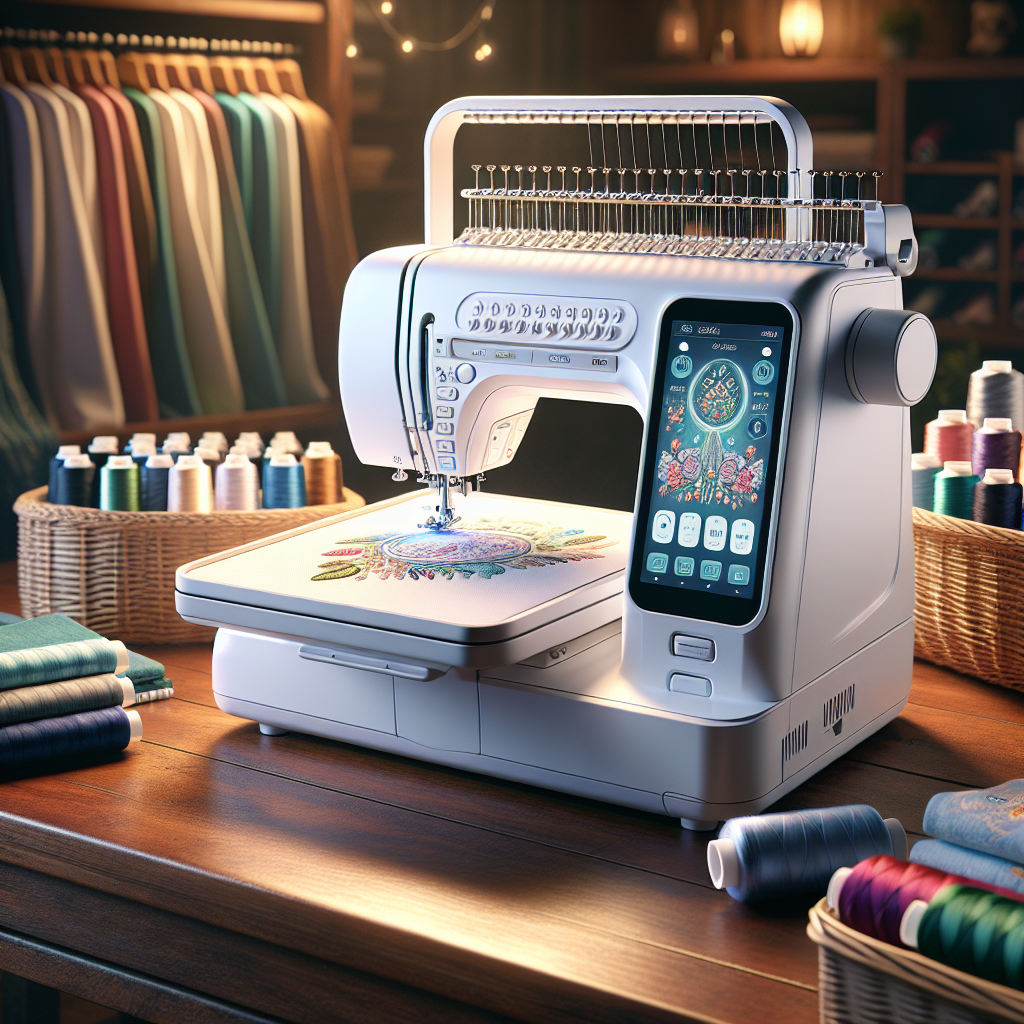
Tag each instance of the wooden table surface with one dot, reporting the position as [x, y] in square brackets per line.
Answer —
[214, 874]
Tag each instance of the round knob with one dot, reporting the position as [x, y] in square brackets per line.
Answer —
[465, 372]
[891, 355]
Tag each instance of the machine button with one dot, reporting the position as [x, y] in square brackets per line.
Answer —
[602, 314]
[697, 647]
[709, 570]
[447, 394]
[443, 412]
[739, 575]
[465, 372]
[444, 427]
[565, 331]
[474, 324]
[550, 329]
[504, 327]
[555, 312]
[446, 462]
[580, 331]
[478, 308]
[488, 325]
[521, 326]
[524, 310]
[594, 331]
[684, 565]
[537, 327]
[657, 562]
[495, 308]
[696, 686]
[617, 315]
[540, 311]
[510, 309]
[444, 447]
[610, 333]
[586, 314]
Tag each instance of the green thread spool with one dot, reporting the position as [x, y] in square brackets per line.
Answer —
[954, 490]
[119, 484]
[974, 931]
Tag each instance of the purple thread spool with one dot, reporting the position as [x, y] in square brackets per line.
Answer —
[996, 446]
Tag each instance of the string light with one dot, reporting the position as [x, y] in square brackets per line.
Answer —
[351, 51]
[483, 52]
[484, 13]
[387, 7]
[407, 45]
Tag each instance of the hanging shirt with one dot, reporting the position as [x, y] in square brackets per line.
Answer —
[238, 118]
[253, 339]
[295, 342]
[124, 297]
[168, 349]
[75, 369]
[206, 326]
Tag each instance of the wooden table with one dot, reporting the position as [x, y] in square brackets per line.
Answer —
[214, 874]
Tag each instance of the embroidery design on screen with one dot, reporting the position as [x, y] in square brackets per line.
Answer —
[484, 547]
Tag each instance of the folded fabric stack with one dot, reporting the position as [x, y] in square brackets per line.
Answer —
[64, 690]
[979, 834]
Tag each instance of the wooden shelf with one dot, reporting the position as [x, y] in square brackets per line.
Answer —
[303, 12]
[318, 416]
[956, 274]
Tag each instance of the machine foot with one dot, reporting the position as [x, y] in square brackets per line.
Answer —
[272, 730]
[692, 824]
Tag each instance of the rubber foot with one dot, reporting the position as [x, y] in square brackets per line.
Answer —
[272, 730]
[692, 824]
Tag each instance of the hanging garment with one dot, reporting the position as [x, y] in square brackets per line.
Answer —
[253, 339]
[327, 223]
[238, 118]
[168, 348]
[26, 440]
[76, 370]
[265, 233]
[295, 341]
[206, 325]
[140, 196]
[124, 298]
[24, 218]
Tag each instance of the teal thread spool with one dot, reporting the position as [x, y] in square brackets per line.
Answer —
[923, 468]
[954, 490]
[284, 483]
[119, 484]
[102, 448]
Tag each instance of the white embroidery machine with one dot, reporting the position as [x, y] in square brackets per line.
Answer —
[754, 618]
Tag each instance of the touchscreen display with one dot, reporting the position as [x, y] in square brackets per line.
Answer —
[709, 477]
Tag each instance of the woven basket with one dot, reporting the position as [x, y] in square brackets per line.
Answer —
[864, 981]
[969, 583]
[114, 571]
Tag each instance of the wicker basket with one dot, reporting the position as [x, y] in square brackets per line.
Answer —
[969, 582]
[864, 981]
[114, 571]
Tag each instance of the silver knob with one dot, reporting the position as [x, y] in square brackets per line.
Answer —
[891, 356]
[465, 373]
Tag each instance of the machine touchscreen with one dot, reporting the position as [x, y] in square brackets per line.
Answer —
[712, 452]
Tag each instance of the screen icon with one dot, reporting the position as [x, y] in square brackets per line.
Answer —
[689, 530]
[715, 530]
[763, 372]
[664, 527]
[757, 426]
[657, 562]
[710, 570]
[682, 366]
[741, 542]
[684, 566]
[739, 575]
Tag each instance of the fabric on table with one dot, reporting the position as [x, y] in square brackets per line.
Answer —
[76, 370]
[253, 339]
[238, 118]
[987, 820]
[327, 222]
[84, 147]
[265, 233]
[124, 297]
[295, 339]
[68, 697]
[168, 348]
[26, 217]
[206, 325]
[140, 196]
[957, 860]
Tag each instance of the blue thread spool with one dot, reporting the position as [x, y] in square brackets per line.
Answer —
[284, 483]
[996, 446]
[140, 452]
[153, 483]
[119, 484]
[997, 500]
[91, 732]
[65, 451]
[954, 490]
[771, 855]
[923, 467]
[75, 481]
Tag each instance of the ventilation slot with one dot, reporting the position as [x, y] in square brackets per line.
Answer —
[794, 742]
[838, 706]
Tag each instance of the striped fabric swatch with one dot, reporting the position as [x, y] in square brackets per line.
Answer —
[90, 732]
[159, 689]
[51, 700]
[56, 662]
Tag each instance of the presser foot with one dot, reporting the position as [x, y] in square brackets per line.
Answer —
[445, 517]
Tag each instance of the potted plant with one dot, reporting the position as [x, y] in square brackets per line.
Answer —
[900, 31]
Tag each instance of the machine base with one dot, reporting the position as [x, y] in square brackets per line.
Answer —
[700, 771]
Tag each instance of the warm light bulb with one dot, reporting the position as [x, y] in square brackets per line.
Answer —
[351, 50]
[486, 49]
[801, 27]
[387, 7]
[407, 46]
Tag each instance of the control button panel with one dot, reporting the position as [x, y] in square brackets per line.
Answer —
[548, 319]
[599, 361]
[447, 394]
[696, 686]
[697, 647]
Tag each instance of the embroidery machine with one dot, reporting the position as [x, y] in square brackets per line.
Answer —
[753, 619]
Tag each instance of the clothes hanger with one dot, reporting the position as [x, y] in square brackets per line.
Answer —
[55, 65]
[131, 69]
[75, 67]
[91, 67]
[199, 72]
[223, 74]
[108, 67]
[35, 66]
[13, 65]
[156, 71]
[289, 74]
[245, 74]
[266, 76]
[177, 71]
